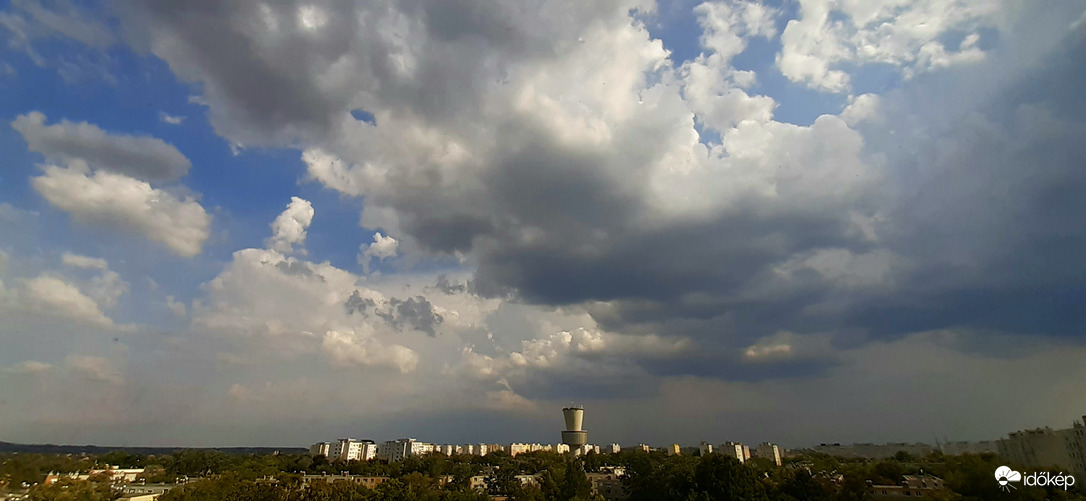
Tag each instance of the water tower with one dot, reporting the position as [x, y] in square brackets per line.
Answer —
[574, 436]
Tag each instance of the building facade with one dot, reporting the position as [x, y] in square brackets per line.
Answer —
[1037, 447]
[397, 450]
[320, 449]
[769, 451]
[349, 449]
[1075, 440]
[911, 486]
[735, 450]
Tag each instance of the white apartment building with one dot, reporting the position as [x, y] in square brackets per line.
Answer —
[320, 449]
[397, 450]
[349, 449]
[768, 451]
[615, 449]
[585, 449]
[735, 450]
[476, 449]
[518, 448]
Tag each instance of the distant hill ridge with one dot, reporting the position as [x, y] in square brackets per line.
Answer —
[8, 447]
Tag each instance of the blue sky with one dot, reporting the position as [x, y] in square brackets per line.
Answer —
[215, 218]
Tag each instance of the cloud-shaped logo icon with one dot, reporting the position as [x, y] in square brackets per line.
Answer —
[1005, 475]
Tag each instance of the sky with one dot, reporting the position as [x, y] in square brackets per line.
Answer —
[277, 223]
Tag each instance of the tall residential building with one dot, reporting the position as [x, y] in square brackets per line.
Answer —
[1037, 447]
[705, 448]
[320, 449]
[769, 451]
[615, 449]
[397, 450]
[734, 450]
[1075, 440]
[674, 450]
[349, 449]
[585, 449]
[746, 452]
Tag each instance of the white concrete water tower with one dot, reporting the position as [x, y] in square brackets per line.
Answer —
[574, 436]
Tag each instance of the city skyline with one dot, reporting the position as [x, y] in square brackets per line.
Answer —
[795, 221]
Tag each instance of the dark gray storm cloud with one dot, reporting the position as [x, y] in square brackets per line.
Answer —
[357, 304]
[143, 157]
[446, 286]
[415, 313]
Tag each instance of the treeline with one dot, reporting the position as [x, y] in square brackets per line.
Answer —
[649, 476]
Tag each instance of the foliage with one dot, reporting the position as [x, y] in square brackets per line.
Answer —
[649, 476]
[72, 490]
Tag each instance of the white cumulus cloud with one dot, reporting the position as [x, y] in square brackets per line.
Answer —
[289, 228]
[126, 203]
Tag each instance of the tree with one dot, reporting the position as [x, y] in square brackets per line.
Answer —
[575, 483]
[803, 486]
[720, 477]
[502, 481]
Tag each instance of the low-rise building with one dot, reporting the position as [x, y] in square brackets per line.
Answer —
[368, 481]
[114, 473]
[912, 486]
[145, 492]
[607, 484]
[478, 483]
